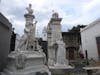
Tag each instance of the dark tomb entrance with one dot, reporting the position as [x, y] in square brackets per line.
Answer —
[98, 45]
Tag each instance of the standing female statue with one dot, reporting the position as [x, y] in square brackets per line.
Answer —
[61, 53]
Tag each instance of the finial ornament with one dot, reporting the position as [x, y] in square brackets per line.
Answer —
[55, 14]
[29, 9]
[53, 11]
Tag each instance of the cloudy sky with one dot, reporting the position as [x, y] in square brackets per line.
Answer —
[73, 12]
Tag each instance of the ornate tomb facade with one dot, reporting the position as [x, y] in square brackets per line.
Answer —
[28, 58]
[56, 46]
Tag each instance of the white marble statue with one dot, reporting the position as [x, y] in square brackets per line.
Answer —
[61, 53]
[29, 9]
[27, 40]
[29, 58]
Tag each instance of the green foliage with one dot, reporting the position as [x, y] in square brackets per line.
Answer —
[76, 28]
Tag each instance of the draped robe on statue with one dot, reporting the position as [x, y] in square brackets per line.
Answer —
[61, 53]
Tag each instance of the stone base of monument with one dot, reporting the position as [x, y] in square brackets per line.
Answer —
[60, 69]
[26, 63]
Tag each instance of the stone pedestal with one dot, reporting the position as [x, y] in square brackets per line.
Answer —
[60, 70]
[26, 63]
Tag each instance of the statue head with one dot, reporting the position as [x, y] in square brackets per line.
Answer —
[30, 5]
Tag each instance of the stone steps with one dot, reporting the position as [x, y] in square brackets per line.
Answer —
[3, 73]
[28, 70]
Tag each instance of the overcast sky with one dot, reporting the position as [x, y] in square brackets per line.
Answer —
[73, 12]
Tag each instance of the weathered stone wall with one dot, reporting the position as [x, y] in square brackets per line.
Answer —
[88, 38]
[5, 36]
